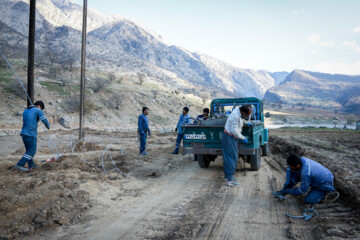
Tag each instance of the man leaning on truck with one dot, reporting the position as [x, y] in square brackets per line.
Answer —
[232, 133]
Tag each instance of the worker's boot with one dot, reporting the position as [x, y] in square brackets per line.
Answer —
[176, 151]
[21, 168]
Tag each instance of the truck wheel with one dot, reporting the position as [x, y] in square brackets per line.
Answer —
[265, 149]
[255, 160]
[203, 161]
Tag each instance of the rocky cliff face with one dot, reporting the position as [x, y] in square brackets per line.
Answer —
[124, 46]
[333, 91]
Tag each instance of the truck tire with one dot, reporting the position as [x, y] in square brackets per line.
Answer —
[203, 161]
[265, 149]
[255, 160]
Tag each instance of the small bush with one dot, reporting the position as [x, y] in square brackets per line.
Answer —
[72, 105]
[100, 84]
[15, 88]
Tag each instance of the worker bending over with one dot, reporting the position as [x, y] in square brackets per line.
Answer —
[312, 175]
[31, 116]
[230, 144]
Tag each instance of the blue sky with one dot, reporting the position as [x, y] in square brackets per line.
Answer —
[317, 35]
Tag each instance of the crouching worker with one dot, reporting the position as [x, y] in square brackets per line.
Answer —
[31, 116]
[312, 175]
[143, 129]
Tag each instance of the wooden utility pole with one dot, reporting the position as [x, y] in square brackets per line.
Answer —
[82, 77]
[31, 51]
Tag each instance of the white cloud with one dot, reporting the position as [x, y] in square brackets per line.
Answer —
[356, 30]
[315, 39]
[339, 67]
[352, 44]
[297, 12]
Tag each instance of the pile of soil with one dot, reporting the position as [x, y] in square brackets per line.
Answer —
[86, 147]
[48, 196]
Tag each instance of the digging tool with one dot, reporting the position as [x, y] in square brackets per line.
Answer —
[308, 213]
[279, 196]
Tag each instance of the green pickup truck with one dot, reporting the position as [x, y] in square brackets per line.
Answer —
[204, 137]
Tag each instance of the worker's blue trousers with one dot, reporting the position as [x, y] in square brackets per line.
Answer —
[30, 147]
[178, 142]
[314, 196]
[143, 142]
[230, 155]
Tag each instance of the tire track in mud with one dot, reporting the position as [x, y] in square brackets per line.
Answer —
[228, 213]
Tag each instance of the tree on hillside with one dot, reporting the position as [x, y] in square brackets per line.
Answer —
[69, 61]
[111, 77]
[117, 98]
[51, 55]
[100, 84]
[53, 71]
[141, 78]
[155, 93]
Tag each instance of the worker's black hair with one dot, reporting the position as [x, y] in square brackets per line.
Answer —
[206, 110]
[40, 103]
[245, 109]
[293, 160]
[144, 109]
[186, 109]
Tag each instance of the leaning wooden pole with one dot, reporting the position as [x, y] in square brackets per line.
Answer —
[82, 77]
[31, 52]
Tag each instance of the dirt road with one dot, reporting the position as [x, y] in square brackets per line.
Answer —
[161, 197]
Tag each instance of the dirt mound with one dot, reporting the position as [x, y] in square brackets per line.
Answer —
[45, 197]
[67, 162]
[282, 147]
[86, 147]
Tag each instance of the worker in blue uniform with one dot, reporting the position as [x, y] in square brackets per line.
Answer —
[143, 129]
[31, 116]
[183, 119]
[312, 175]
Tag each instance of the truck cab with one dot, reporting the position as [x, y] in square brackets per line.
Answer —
[204, 137]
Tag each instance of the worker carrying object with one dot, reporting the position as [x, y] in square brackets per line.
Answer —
[143, 129]
[312, 175]
[233, 132]
[31, 116]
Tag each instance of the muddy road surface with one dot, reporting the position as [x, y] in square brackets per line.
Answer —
[90, 193]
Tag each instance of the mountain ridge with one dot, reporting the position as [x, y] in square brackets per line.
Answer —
[111, 36]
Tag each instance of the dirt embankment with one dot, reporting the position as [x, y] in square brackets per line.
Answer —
[338, 151]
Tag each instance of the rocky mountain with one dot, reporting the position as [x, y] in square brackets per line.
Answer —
[119, 45]
[334, 91]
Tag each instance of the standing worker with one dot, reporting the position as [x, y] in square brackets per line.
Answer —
[143, 129]
[31, 116]
[183, 119]
[232, 133]
[310, 174]
[202, 117]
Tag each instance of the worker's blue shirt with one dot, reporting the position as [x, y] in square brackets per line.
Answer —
[31, 116]
[312, 174]
[183, 119]
[143, 124]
